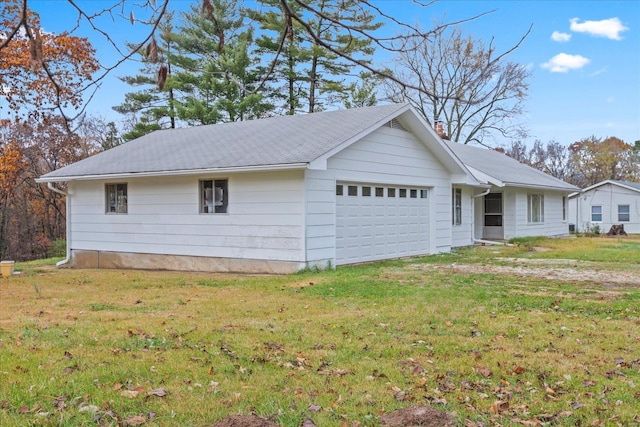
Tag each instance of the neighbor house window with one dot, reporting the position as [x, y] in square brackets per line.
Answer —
[623, 213]
[456, 206]
[564, 208]
[116, 198]
[214, 196]
[596, 213]
[535, 208]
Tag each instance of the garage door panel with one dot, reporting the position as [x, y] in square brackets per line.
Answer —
[378, 227]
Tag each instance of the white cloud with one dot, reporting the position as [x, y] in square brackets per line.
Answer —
[563, 62]
[557, 36]
[609, 28]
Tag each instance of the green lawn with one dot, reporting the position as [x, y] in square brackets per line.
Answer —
[98, 347]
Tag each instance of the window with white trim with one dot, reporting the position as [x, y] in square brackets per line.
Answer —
[535, 208]
[596, 213]
[564, 208]
[214, 196]
[456, 206]
[116, 198]
[624, 213]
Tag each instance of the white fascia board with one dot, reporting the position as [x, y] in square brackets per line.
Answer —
[264, 168]
[484, 178]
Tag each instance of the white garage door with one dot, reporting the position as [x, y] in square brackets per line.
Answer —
[376, 222]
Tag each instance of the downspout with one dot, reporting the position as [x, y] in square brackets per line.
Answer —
[68, 211]
[480, 241]
[484, 193]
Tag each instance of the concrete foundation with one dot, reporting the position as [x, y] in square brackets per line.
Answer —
[128, 260]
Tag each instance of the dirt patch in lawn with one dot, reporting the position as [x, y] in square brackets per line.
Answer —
[557, 269]
[414, 416]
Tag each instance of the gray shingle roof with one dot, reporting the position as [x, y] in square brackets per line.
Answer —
[505, 169]
[286, 140]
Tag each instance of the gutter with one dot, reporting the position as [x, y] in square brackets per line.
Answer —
[122, 175]
[68, 220]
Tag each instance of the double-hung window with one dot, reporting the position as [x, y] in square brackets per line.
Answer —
[116, 198]
[624, 213]
[596, 213]
[535, 208]
[456, 206]
[214, 197]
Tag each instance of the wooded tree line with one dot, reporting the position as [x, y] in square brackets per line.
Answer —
[221, 61]
[581, 163]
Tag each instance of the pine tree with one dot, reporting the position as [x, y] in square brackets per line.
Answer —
[305, 45]
[217, 73]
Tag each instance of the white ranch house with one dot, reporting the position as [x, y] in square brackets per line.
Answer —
[605, 204]
[281, 194]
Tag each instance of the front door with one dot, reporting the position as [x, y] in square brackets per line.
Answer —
[493, 228]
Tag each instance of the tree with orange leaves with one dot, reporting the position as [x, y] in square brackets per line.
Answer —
[595, 160]
[40, 70]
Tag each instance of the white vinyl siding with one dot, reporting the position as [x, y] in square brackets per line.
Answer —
[462, 235]
[609, 197]
[265, 220]
[516, 208]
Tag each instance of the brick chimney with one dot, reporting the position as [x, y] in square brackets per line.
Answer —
[439, 128]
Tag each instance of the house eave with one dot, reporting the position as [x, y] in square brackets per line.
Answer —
[128, 175]
[538, 186]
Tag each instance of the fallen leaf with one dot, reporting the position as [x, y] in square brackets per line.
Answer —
[135, 420]
[519, 370]
[499, 406]
[131, 394]
[314, 408]
[485, 372]
[160, 392]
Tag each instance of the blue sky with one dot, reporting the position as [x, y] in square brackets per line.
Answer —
[584, 57]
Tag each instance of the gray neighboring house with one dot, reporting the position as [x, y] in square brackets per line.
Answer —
[605, 204]
[521, 201]
[281, 194]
